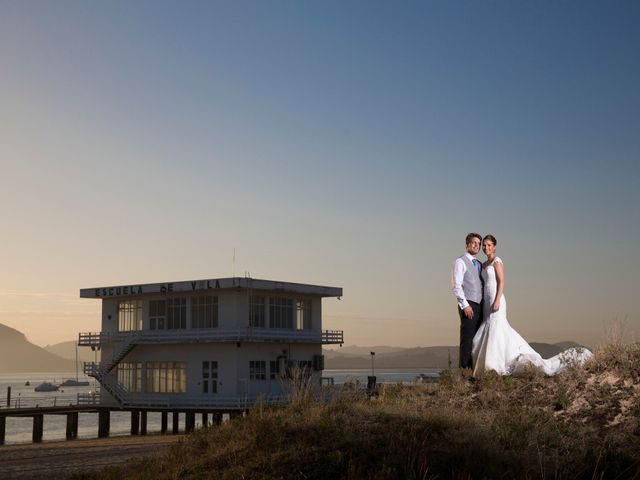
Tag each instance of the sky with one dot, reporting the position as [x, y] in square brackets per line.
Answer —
[351, 144]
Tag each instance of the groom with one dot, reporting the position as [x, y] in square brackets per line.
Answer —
[467, 287]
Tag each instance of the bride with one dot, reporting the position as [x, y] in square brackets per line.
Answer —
[497, 346]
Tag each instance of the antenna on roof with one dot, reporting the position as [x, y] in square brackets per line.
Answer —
[233, 263]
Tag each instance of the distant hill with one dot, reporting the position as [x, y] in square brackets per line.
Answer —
[68, 350]
[356, 351]
[18, 355]
[417, 357]
[392, 357]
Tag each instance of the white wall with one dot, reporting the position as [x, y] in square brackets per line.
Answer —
[233, 363]
[233, 359]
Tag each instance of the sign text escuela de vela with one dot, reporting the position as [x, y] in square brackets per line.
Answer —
[159, 288]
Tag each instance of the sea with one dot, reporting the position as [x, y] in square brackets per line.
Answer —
[22, 394]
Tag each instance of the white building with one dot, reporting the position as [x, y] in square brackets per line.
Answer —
[207, 344]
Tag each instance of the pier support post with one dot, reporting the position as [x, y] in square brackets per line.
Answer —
[189, 422]
[143, 422]
[205, 419]
[38, 423]
[163, 422]
[72, 425]
[135, 422]
[176, 422]
[3, 429]
[104, 423]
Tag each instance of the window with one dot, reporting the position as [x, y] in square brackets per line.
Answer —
[257, 370]
[209, 377]
[166, 377]
[130, 315]
[303, 314]
[280, 313]
[176, 313]
[130, 376]
[204, 312]
[157, 314]
[256, 312]
[274, 369]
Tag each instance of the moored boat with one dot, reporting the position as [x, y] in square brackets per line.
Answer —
[70, 382]
[47, 387]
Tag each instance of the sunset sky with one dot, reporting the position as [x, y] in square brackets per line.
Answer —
[350, 144]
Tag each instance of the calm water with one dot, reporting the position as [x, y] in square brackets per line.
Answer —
[19, 430]
[402, 375]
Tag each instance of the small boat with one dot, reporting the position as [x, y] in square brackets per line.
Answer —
[46, 387]
[27, 383]
[70, 382]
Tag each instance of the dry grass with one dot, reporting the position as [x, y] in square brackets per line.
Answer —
[583, 423]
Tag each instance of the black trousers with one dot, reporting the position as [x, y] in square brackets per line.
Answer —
[468, 329]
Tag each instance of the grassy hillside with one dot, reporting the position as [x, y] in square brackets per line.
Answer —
[18, 355]
[583, 423]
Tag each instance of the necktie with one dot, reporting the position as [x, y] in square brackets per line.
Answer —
[476, 264]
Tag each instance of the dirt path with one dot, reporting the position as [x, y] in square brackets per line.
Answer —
[56, 460]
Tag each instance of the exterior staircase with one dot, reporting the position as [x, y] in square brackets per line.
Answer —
[107, 381]
[121, 349]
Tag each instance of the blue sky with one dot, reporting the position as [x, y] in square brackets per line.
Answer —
[344, 143]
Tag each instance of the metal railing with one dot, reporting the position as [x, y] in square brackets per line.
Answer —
[144, 400]
[164, 402]
[332, 337]
[40, 402]
[127, 343]
[107, 381]
[88, 398]
[195, 335]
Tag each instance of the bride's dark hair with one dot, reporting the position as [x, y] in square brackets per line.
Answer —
[491, 238]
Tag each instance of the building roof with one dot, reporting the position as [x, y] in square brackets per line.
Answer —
[242, 283]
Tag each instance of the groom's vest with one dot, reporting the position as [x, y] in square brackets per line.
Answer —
[471, 282]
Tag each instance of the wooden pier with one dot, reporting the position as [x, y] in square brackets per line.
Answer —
[138, 419]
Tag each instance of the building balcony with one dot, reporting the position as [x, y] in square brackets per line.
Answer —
[148, 337]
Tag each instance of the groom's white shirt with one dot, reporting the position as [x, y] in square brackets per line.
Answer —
[459, 271]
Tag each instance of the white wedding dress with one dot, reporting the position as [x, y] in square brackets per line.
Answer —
[498, 347]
